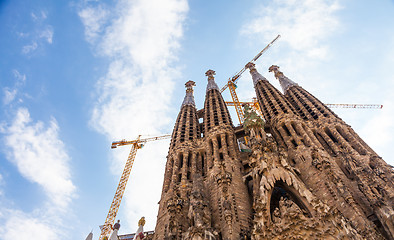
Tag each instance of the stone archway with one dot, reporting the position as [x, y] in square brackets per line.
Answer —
[284, 203]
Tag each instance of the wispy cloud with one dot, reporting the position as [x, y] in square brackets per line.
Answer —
[47, 34]
[20, 78]
[1, 185]
[40, 34]
[19, 225]
[378, 130]
[10, 93]
[29, 48]
[304, 25]
[36, 150]
[141, 38]
[38, 16]
[93, 19]
[40, 156]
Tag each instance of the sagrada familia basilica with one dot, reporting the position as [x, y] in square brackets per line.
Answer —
[301, 173]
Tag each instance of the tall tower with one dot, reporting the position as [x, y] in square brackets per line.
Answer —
[291, 200]
[361, 170]
[231, 211]
[304, 174]
[172, 219]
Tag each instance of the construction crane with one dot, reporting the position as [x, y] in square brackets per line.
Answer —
[256, 106]
[233, 80]
[347, 105]
[113, 210]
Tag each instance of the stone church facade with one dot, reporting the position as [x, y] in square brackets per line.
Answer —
[302, 172]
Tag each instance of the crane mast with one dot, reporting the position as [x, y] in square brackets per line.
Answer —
[113, 210]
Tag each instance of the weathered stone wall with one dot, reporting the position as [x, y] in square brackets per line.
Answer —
[303, 174]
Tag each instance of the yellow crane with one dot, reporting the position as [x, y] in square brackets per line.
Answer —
[349, 105]
[113, 210]
[231, 85]
[233, 80]
[255, 105]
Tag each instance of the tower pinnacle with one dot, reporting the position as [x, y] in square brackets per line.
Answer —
[211, 80]
[189, 98]
[284, 81]
[256, 76]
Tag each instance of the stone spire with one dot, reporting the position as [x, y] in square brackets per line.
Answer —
[186, 126]
[271, 100]
[256, 76]
[211, 80]
[284, 81]
[189, 98]
[215, 109]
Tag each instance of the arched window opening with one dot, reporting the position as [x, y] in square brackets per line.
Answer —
[296, 129]
[323, 142]
[219, 141]
[180, 161]
[294, 143]
[286, 130]
[330, 135]
[189, 160]
[378, 225]
[284, 202]
[198, 160]
[211, 145]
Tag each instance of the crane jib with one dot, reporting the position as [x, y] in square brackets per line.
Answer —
[136, 144]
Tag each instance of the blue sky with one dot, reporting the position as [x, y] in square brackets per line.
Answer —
[77, 75]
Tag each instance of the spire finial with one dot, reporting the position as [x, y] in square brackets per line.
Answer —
[275, 69]
[210, 74]
[256, 76]
[251, 66]
[189, 98]
[284, 81]
[189, 86]
[211, 80]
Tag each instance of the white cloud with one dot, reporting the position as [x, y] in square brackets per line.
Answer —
[378, 129]
[33, 16]
[1, 185]
[93, 19]
[47, 34]
[304, 25]
[9, 95]
[134, 96]
[29, 48]
[21, 78]
[38, 17]
[40, 34]
[40, 156]
[19, 225]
